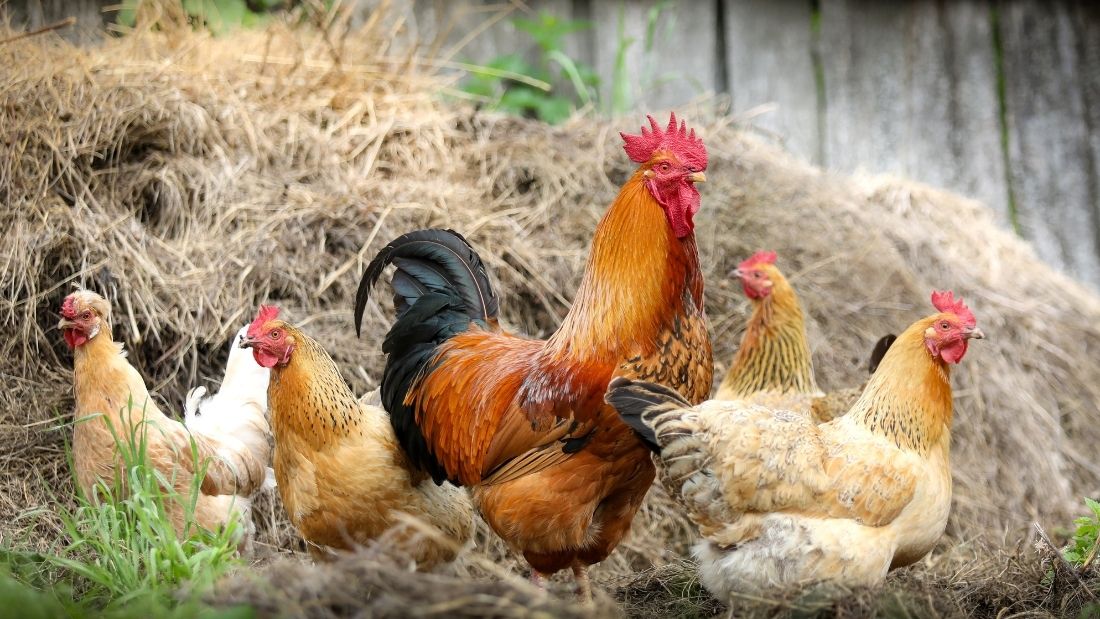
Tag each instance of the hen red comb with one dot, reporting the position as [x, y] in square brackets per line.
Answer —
[945, 301]
[760, 257]
[68, 307]
[678, 140]
[267, 313]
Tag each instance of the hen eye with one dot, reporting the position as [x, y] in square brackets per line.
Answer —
[758, 275]
[944, 325]
[665, 166]
[274, 334]
[86, 315]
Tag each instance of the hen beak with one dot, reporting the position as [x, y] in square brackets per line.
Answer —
[697, 177]
[737, 274]
[974, 334]
[247, 342]
[65, 323]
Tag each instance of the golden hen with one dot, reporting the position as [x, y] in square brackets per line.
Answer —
[342, 475]
[773, 366]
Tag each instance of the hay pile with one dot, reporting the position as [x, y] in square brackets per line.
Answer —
[190, 178]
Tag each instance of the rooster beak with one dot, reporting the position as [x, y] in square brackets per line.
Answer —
[974, 334]
[697, 177]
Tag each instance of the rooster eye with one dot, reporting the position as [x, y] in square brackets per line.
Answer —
[665, 166]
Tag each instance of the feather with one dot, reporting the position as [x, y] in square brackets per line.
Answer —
[438, 260]
[440, 289]
[638, 402]
[879, 352]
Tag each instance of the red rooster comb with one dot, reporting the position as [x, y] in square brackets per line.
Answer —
[266, 314]
[760, 257]
[945, 301]
[678, 140]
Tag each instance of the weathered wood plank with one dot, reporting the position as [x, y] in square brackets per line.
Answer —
[769, 63]
[1050, 154]
[911, 88]
[862, 51]
[954, 125]
[1087, 23]
[90, 18]
[681, 61]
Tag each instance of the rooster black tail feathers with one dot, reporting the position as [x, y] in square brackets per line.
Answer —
[643, 406]
[431, 261]
[440, 287]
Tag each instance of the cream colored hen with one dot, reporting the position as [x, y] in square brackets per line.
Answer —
[105, 385]
[780, 501]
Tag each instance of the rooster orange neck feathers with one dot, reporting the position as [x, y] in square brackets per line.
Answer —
[638, 279]
[643, 269]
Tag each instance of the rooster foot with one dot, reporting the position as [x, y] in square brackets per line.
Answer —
[584, 586]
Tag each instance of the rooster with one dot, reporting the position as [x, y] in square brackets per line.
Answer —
[773, 366]
[780, 500]
[342, 475]
[105, 384]
[553, 470]
[237, 414]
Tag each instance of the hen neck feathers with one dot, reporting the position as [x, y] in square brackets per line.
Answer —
[308, 396]
[774, 354]
[908, 400]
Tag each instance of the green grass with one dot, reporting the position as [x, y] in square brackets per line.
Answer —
[121, 556]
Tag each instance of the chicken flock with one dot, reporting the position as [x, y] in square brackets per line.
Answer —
[555, 442]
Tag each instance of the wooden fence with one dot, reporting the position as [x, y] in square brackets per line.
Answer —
[996, 100]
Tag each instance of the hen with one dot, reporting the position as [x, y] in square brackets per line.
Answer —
[342, 475]
[773, 366]
[105, 383]
[780, 500]
[237, 414]
[554, 471]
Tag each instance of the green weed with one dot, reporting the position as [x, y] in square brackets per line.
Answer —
[544, 95]
[121, 555]
[1084, 541]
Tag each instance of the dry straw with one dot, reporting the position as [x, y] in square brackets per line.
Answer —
[190, 178]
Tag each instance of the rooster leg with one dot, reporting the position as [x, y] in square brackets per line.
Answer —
[584, 586]
[538, 579]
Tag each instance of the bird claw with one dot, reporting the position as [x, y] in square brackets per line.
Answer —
[584, 585]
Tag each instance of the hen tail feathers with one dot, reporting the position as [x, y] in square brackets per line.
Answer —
[647, 408]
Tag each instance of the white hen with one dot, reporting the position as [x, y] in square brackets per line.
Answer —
[237, 413]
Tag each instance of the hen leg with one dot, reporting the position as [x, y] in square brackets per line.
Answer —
[584, 586]
[538, 579]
